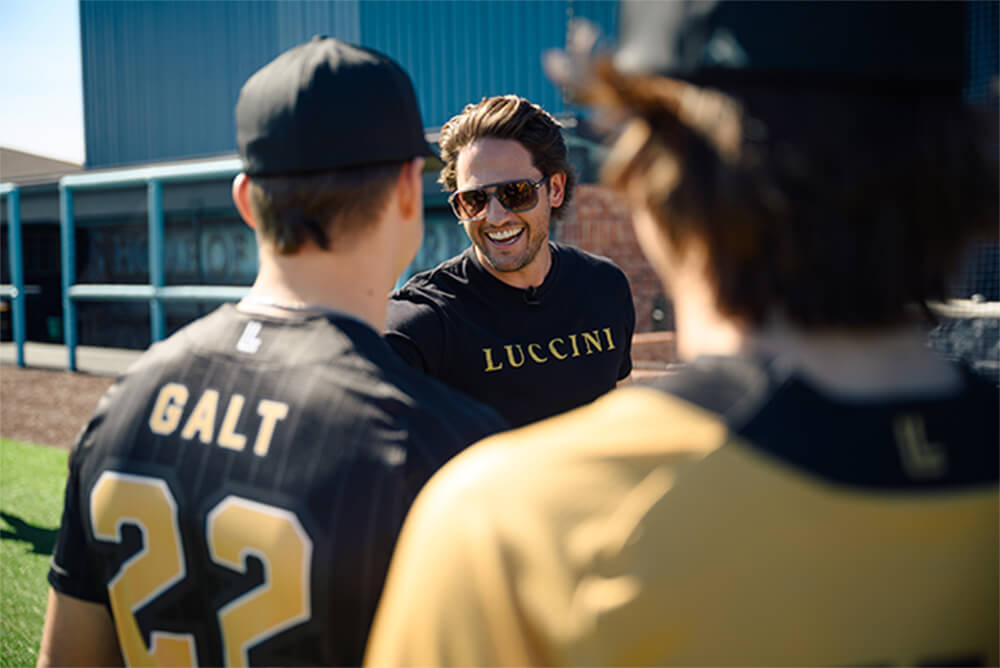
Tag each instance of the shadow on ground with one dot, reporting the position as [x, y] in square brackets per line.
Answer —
[42, 540]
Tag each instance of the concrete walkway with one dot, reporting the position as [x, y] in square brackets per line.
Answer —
[89, 359]
[651, 357]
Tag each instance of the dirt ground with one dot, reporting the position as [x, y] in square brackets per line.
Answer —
[47, 407]
[50, 407]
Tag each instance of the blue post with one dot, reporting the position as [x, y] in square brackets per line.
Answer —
[153, 178]
[154, 206]
[16, 270]
[68, 247]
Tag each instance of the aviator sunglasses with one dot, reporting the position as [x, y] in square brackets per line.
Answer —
[515, 196]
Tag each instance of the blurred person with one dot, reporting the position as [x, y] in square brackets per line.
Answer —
[526, 325]
[816, 487]
[237, 494]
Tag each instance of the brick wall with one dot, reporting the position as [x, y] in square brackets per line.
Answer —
[598, 221]
[653, 351]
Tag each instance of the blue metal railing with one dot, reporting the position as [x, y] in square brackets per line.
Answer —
[15, 290]
[156, 293]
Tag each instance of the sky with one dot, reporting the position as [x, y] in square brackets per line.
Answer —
[41, 87]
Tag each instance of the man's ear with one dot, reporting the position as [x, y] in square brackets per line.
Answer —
[557, 189]
[241, 198]
[410, 188]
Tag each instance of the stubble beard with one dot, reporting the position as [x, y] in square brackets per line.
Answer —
[511, 264]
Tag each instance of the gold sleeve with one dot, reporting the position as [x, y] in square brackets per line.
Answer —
[448, 598]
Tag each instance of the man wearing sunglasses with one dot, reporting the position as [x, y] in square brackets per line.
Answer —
[815, 487]
[527, 325]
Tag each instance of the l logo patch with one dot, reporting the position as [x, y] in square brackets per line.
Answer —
[920, 457]
[249, 343]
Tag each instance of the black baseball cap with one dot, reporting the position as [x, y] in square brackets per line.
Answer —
[874, 44]
[326, 105]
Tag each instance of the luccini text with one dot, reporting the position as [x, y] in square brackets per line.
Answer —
[556, 349]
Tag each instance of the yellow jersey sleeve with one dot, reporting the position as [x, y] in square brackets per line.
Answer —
[479, 577]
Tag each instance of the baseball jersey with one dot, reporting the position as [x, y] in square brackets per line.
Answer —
[238, 492]
[733, 515]
[527, 353]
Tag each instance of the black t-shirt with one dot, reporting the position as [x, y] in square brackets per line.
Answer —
[239, 491]
[530, 353]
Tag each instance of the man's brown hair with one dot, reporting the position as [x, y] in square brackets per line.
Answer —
[832, 208]
[330, 208]
[509, 117]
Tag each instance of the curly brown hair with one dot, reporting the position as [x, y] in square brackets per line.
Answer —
[509, 117]
[834, 208]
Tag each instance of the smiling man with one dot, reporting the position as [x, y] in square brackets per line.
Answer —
[527, 325]
[815, 486]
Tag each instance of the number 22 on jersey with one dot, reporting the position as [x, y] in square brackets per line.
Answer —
[236, 528]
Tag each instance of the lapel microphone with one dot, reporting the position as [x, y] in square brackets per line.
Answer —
[530, 296]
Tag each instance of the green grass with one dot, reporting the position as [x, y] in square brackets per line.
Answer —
[32, 480]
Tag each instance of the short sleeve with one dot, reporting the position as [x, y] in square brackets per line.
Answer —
[70, 569]
[415, 332]
[448, 600]
[626, 366]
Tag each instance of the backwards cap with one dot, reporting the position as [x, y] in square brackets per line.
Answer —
[327, 105]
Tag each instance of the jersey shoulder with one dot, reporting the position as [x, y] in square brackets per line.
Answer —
[230, 335]
[532, 505]
[438, 283]
[439, 412]
[857, 442]
[640, 483]
[595, 277]
[588, 261]
[728, 387]
[593, 454]
[141, 377]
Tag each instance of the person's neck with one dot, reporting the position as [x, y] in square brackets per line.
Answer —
[530, 276]
[848, 362]
[313, 280]
[882, 361]
[701, 329]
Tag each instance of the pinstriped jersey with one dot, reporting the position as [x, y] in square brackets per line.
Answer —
[734, 514]
[237, 494]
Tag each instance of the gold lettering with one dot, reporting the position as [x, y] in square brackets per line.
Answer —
[552, 349]
[489, 361]
[920, 457]
[535, 356]
[228, 438]
[510, 355]
[592, 338]
[611, 341]
[202, 419]
[168, 408]
[576, 350]
[271, 411]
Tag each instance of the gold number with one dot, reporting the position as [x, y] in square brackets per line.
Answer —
[237, 528]
[146, 503]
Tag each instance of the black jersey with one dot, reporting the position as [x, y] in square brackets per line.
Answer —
[238, 492]
[528, 353]
[733, 515]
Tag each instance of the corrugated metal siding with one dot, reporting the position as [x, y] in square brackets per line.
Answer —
[161, 79]
[984, 49]
[299, 21]
[459, 51]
